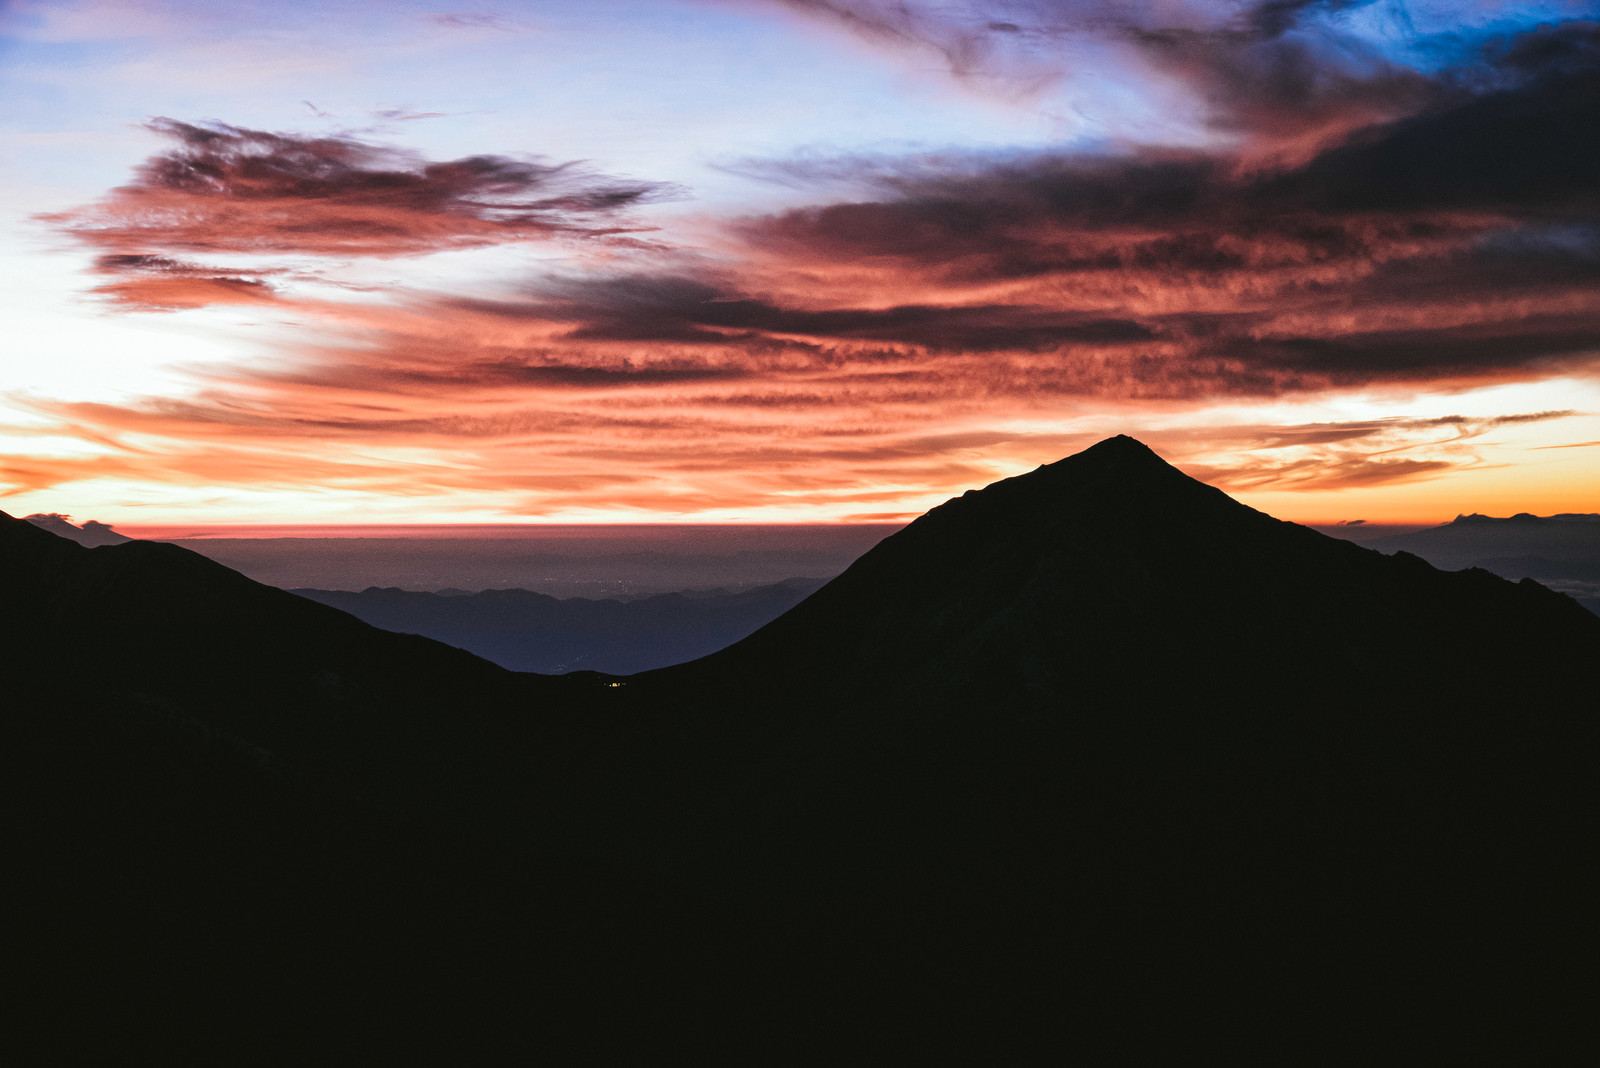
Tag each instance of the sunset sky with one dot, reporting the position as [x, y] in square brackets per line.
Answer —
[792, 260]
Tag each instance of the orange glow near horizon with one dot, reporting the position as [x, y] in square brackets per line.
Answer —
[594, 531]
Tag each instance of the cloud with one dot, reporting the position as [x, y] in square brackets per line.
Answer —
[1525, 149]
[162, 283]
[675, 308]
[972, 45]
[473, 20]
[1516, 133]
[1286, 72]
[909, 336]
[234, 191]
[1460, 243]
[1345, 455]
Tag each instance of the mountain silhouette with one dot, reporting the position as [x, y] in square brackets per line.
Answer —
[1113, 575]
[166, 624]
[1130, 746]
[90, 533]
[1094, 764]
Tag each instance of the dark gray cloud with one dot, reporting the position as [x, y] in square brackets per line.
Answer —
[1527, 147]
[1272, 68]
[1459, 241]
[666, 308]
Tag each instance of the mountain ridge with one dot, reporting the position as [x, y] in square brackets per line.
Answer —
[1561, 552]
[90, 533]
[1109, 528]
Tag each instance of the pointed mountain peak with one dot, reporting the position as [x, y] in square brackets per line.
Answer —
[1120, 455]
[1119, 472]
[1122, 445]
[1086, 575]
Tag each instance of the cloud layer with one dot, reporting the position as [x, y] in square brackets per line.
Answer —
[1363, 226]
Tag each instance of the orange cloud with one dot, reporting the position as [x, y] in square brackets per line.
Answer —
[1325, 456]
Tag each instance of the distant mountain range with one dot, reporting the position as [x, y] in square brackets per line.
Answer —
[90, 533]
[1094, 765]
[527, 631]
[1559, 551]
[617, 562]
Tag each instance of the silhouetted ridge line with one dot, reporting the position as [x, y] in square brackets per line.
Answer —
[1561, 552]
[1102, 723]
[89, 533]
[1062, 578]
[157, 620]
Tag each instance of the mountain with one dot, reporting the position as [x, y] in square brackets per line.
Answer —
[1559, 551]
[1121, 746]
[527, 631]
[89, 534]
[1113, 574]
[1092, 765]
[225, 803]
[1456, 544]
[170, 625]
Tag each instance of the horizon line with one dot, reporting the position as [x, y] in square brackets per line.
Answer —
[287, 531]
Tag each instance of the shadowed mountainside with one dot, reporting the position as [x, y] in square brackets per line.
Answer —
[155, 620]
[1112, 571]
[250, 827]
[1094, 764]
[526, 631]
[1252, 782]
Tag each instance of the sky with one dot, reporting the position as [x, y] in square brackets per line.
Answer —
[792, 261]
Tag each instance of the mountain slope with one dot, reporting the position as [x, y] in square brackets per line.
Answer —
[246, 828]
[1101, 739]
[1112, 576]
[142, 614]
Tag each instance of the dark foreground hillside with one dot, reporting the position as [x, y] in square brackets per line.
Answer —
[1094, 764]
